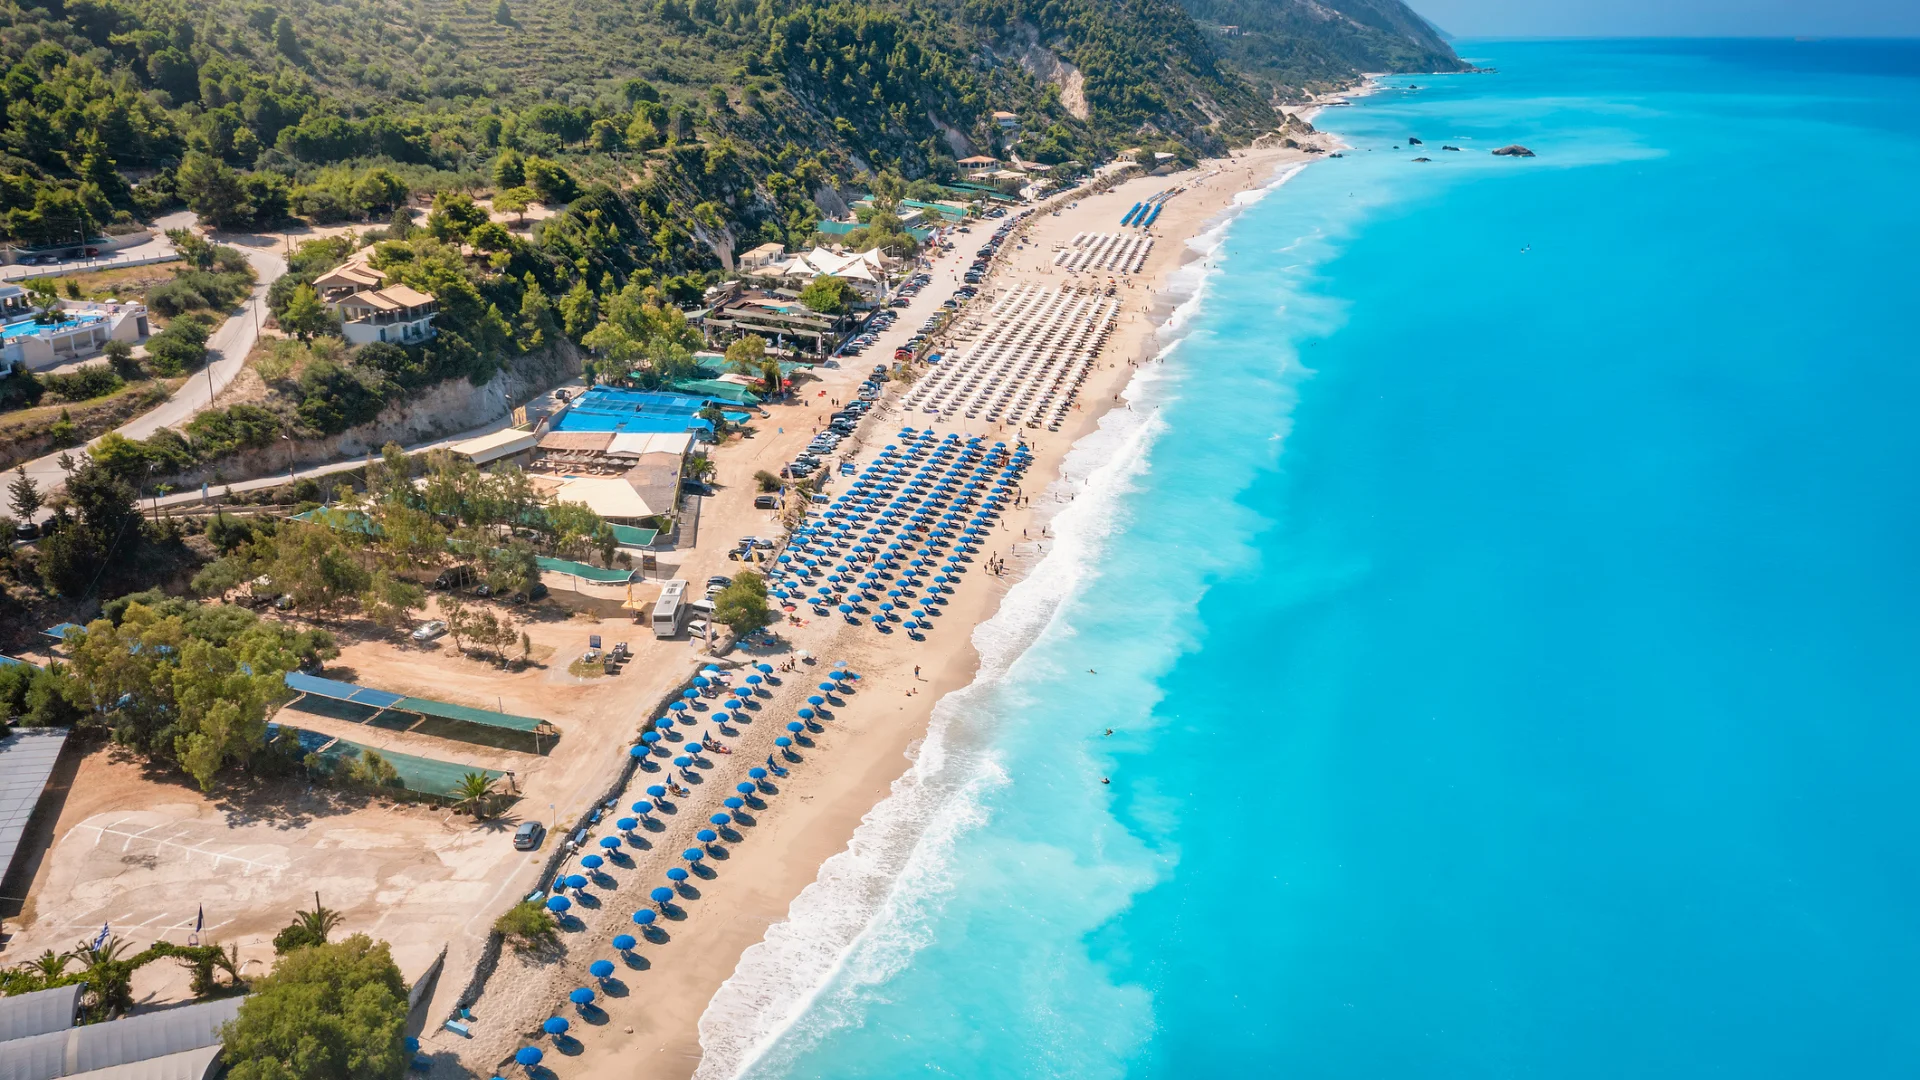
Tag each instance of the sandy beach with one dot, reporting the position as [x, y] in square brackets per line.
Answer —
[652, 1005]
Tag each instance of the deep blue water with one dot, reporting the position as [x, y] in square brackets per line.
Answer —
[1505, 602]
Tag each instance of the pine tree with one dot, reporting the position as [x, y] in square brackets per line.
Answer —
[26, 500]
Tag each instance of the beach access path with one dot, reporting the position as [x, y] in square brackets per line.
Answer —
[653, 1028]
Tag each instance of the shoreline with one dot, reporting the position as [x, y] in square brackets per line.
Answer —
[871, 750]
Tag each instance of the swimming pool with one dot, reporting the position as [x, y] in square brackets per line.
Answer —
[29, 327]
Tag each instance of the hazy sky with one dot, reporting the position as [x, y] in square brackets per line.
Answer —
[1668, 18]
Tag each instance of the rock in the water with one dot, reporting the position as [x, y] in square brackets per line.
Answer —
[1516, 150]
[1453, 148]
[1413, 142]
[1423, 159]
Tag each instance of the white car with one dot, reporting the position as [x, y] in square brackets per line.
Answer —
[697, 628]
[430, 630]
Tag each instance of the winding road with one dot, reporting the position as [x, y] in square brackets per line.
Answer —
[227, 352]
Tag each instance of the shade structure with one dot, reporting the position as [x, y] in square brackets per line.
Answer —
[665, 723]
[623, 942]
[580, 995]
[816, 700]
[734, 802]
[706, 836]
[657, 791]
[595, 862]
[643, 807]
[637, 751]
[795, 725]
[528, 1055]
[693, 854]
[804, 714]
[555, 1025]
[829, 687]
[691, 693]
[645, 916]
[721, 718]
[660, 895]
[745, 788]
[682, 761]
[757, 773]
[754, 680]
[627, 824]
[676, 873]
[677, 706]
[609, 842]
[558, 903]
[699, 680]
[600, 969]
[721, 819]
[650, 737]
[576, 881]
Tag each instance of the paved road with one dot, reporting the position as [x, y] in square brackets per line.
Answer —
[227, 352]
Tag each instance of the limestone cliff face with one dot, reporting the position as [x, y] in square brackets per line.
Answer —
[448, 408]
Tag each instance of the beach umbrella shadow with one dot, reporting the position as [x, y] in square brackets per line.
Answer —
[655, 935]
[652, 824]
[687, 892]
[729, 835]
[635, 961]
[613, 988]
[638, 842]
[595, 1015]
[565, 1044]
[586, 900]
[702, 871]
[713, 852]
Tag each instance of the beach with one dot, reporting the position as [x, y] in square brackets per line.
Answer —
[652, 1011]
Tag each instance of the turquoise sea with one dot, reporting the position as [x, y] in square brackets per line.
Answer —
[1505, 598]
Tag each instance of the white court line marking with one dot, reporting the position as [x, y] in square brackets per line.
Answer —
[219, 858]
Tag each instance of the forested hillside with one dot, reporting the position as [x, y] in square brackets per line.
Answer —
[1296, 47]
[745, 106]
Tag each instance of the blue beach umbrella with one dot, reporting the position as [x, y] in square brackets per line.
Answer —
[816, 700]
[682, 761]
[657, 791]
[643, 807]
[609, 842]
[699, 680]
[693, 854]
[765, 669]
[676, 706]
[600, 969]
[580, 996]
[690, 693]
[558, 904]
[734, 802]
[706, 836]
[721, 819]
[624, 942]
[636, 751]
[528, 1056]
[745, 787]
[805, 714]
[650, 737]
[625, 824]
[757, 773]
[665, 723]
[795, 725]
[828, 687]
[595, 862]
[661, 895]
[645, 916]
[783, 742]
[555, 1025]
[576, 881]
[676, 873]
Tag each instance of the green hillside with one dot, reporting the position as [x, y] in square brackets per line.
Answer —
[1296, 47]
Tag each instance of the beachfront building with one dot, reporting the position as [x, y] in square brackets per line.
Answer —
[786, 324]
[979, 163]
[397, 314]
[629, 478]
[348, 278]
[508, 446]
[14, 303]
[1007, 121]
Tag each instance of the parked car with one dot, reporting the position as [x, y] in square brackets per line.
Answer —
[427, 631]
[719, 579]
[454, 577]
[528, 836]
[766, 502]
[26, 530]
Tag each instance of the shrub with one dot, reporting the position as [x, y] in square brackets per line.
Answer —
[766, 480]
[84, 384]
[526, 924]
[222, 431]
[181, 346]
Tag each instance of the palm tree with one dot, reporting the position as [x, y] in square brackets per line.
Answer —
[49, 965]
[475, 794]
[319, 922]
